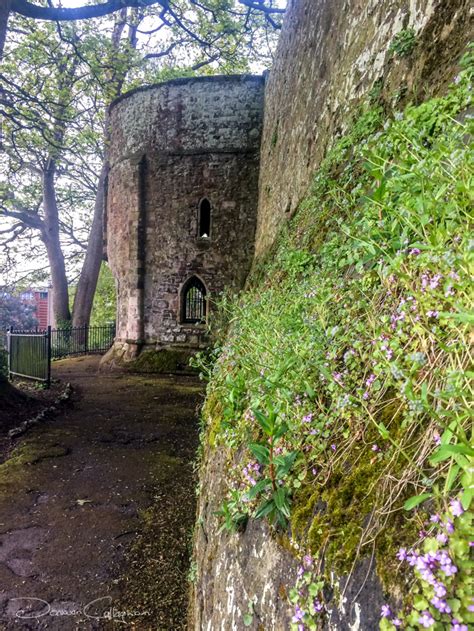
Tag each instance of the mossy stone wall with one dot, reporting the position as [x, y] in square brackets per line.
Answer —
[331, 54]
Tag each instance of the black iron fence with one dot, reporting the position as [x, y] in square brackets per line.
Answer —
[81, 340]
[30, 352]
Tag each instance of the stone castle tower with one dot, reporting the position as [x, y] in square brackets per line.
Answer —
[181, 210]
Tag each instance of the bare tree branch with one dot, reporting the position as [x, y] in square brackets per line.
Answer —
[60, 14]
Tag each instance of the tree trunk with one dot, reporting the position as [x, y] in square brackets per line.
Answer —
[86, 287]
[90, 270]
[50, 237]
[5, 6]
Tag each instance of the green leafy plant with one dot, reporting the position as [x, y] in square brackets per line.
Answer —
[342, 389]
[403, 43]
[306, 597]
[442, 590]
[276, 465]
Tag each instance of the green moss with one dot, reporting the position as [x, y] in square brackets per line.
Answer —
[336, 335]
[19, 467]
[334, 517]
[213, 412]
[33, 450]
[162, 361]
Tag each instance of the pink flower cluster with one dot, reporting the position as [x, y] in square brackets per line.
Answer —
[430, 281]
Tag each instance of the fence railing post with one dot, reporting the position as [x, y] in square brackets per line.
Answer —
[48, 341]
[30, 353]
[9, 343]
[86, 339]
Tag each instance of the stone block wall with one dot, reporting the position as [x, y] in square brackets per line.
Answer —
[330, 54]
[172, 145]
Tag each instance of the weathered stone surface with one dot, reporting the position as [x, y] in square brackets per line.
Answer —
[330, 54]
[235, 570]
[172, 145]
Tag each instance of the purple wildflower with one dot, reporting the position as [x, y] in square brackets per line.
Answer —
[442, 538]
[457, 626]
[412, 558]
[441, 605]
[449, 527]
[456, 508]
[426, 620]
[307, 561]
[375, 448]
[299, 614]
[449, 569]
[317, 606]
[402, 554]
[439, 590]
[432, 313]
[333, 447]
[415, 251]
[397, 622]
[370, 380]
[385, 612]
[434, 282]
[337, 376]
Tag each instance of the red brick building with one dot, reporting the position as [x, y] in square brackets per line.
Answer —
[40, 298]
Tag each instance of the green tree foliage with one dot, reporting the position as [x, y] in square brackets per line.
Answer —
[105, 303]
[16, 311]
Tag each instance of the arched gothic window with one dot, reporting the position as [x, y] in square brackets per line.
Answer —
[204, 224]
[193, 301]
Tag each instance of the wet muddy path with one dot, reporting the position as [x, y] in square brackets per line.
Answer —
[97, 506]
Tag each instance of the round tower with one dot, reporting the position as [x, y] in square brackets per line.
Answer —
[181, 208]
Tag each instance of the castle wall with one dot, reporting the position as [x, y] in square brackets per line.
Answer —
[330, 55]
[172, 145]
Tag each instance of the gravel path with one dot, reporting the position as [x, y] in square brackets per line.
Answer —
[97, 505]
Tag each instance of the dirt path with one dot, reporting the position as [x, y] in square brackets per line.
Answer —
[96, 506]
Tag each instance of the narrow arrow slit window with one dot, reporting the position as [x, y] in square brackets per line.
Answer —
[204, 231]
